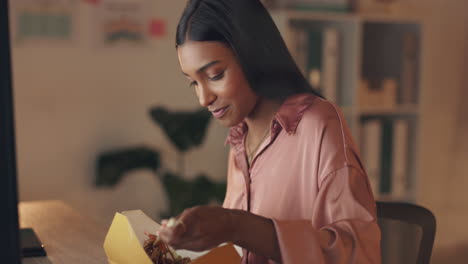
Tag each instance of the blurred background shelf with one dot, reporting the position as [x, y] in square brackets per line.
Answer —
[368, 64]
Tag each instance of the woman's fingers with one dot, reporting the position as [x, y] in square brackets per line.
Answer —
[172, 235]
[175, 230]
[197, 228]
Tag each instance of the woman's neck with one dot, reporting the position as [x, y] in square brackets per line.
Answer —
[259, 121]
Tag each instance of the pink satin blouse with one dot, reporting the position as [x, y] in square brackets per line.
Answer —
[307, 176]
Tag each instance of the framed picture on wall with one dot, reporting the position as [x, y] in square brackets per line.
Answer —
[48, 22]
[321, 5]
[122, 23]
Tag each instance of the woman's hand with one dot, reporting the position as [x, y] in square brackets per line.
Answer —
[204, 227]
[199, 228]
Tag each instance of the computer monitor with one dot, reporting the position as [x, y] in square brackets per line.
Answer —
[14, 243]
[9, 235]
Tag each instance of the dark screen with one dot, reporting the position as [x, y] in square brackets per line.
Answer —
[9, 241]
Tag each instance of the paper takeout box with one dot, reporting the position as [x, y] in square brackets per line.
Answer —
[127, 233]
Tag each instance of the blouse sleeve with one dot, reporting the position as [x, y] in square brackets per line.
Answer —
[344, 207]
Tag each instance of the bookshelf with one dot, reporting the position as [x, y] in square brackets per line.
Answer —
[369, 64]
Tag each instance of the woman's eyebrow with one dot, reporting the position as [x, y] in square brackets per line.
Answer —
[204, 67]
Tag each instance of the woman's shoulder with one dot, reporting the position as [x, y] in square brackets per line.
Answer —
[323, 125]
[308, 111]
[325, 121]
[322, 112]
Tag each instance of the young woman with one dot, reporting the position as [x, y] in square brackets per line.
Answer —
[297, 191]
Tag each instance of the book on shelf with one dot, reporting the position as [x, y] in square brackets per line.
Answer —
[320, 49]
[400, 157]
[300, 50]
[385, 184]
[371, 145]
[314, 58]
[409, 68]
[330, 63]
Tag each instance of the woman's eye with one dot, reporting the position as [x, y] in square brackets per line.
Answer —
[217, 77]
[193, 84]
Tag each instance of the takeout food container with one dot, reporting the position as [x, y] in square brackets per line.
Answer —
[127, 233]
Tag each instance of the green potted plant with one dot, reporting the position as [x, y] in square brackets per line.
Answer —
[185, 130]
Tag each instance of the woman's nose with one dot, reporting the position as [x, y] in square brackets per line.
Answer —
[205, 96]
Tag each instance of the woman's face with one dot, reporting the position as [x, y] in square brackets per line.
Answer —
[218, 80]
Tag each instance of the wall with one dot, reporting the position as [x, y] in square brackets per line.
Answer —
[443, 152]
[453, 214]
[73, 102]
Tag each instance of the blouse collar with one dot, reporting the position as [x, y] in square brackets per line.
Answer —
[288, 117]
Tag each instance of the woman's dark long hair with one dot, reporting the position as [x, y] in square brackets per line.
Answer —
[248, 29]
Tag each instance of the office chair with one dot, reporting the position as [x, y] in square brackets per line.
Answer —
[410, 215]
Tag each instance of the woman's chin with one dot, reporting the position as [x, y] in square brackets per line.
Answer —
[229, 122]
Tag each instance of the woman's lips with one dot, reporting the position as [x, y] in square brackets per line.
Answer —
[218, 113]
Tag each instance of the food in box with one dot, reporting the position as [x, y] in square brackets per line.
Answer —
[125, 241]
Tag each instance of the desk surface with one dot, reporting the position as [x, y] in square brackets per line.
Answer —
[68, 237]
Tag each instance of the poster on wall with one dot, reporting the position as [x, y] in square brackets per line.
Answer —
[120, 23]
[43, 21]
